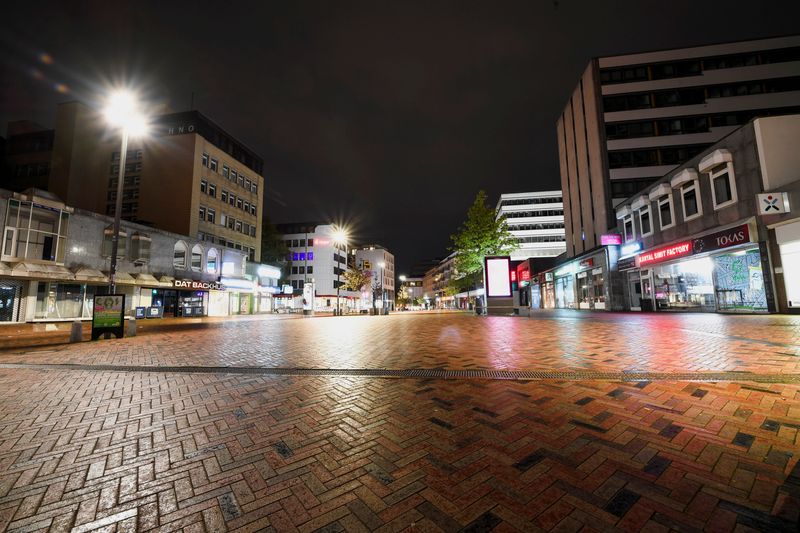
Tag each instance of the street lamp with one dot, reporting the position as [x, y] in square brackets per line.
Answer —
[340, 238]
[122, 112]
[383, 288]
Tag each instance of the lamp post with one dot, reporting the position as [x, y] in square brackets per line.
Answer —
[339, 237]
[122, 112]
[383, 288]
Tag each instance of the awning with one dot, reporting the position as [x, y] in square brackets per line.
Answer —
[125, 278]
[5, 269]
[89, 274]
[38, 270]
[145, 279]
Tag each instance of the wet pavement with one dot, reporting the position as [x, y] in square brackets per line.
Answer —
[185, 447]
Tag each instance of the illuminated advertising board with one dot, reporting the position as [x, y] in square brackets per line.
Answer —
[498, 276]
[612, 239]
[666, 253]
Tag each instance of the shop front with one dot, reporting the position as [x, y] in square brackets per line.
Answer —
[719, 272]
[788, 238]
[581, 283]
[548, 289]
[186, 298]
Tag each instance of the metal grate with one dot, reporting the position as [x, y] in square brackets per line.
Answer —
[434, 373]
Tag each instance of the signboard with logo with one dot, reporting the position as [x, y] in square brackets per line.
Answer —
[155, 311]
[141, 312]
[586, 263]
[612, 239]
[108, 315]
[666, 253]
[498, 277]
[198, 285]
[626, 264]
[722, 239]
[773, 203]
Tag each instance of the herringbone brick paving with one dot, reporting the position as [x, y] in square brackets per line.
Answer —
[102, 450]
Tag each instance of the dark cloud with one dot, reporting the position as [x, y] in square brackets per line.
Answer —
[390, 115]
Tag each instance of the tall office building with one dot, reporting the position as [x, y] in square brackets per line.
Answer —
[188, 176]
[632, 118]
[536, 220]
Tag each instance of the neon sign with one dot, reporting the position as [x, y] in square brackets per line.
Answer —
[664, 254]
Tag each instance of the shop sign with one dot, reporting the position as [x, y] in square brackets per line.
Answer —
[612, 239]
[664, 254]
[198, 285]
[240, 284]
[181, 129]
[722, 239]
[108, 315]
[586, 263]
[773, 203]
[141, 312]
[630, 248]
[548, 276]
[526, 275]
[288, 289]
[626, 263]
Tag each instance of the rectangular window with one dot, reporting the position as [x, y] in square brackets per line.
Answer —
[202, 213]
[310, 241]
[302, 256]
[212, 190]
[239, 226]
[225, 171]
[723, 187]
[247, 184]
[253, 210]
[295, 243]
[205, 159]
[231, 222]
[224, 195]
[628, 229]
[247, 207]
[140, 248]
[692, 208]
[310, 256]
[294, 270]
[214, 165]
[644, 221]
[203, 186]
[211, 215]
[245, 228]
[301, 270]
[241, 180]
[254, 188]
[295, 256]
[233, 175]
[252, 231]
[239, 203]
[665, 212]
[302, 243]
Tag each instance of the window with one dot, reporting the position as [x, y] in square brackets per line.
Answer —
[231, 199]
[205, 159]
[241, 180]
[233, 175]
[295, 256]
[231, 222]
[247, 207]
[212, 190]
[628, 229]
[239, 226]
[252, 231]
[179, 255]
[294, 270]
[309, 269]
[239, 203]
[202, 213]
[108, 236]
[247, 184]
[212, 261]
[224, 195]
[302, 256]
[214, 164]
[302, 243]
[665, 212]
[245, 228]
[211, 215]
[253, 212]
[692, 208]
[225, 171]
[310, 256]
[301, 270]
[203, 186]
[295, 243]
[644, 221]
[197, 257]
[140, 248]
[723, 187]
[254, 188]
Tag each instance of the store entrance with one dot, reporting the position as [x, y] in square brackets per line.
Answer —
[635, 291]
[167, 300]
[9, 299]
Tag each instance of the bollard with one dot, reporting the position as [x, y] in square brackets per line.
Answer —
[131, 332]
[76, 334]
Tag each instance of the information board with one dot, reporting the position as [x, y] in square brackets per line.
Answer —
[108, 315]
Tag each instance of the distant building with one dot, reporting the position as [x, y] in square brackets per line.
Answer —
[26, 156]
[380, 262]
[536, 220]
[316, 258]
[632, 118]
[436, 281]
[414, 288]
[188, 176]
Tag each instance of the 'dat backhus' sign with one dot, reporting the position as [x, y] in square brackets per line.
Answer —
[198, 285]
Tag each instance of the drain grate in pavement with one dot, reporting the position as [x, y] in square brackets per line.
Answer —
[436, 373]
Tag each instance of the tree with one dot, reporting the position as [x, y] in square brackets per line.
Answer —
[355, 279]
[402, 298]
[482, 234]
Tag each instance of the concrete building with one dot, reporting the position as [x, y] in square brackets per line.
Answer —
[316, 258]
[536, 220]
[436, 281]
[722, 231]
[55, 258]
[380, 263]
[26, 156]
[188, 176]
[632, 118]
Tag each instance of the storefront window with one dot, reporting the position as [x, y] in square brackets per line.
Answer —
[584, 291]
[565, 293]
[34, 231]
[598, 290]
[740, 281]
[687, 285]
[55, 301]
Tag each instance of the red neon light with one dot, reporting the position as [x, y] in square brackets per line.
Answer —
[513, 276]
[665, 254]
[526, 275]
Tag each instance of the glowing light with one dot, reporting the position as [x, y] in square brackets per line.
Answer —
[46, 58]
[122, 110]
[62, 88]
[339, 236]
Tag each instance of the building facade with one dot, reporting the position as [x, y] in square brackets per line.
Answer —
[380, 263]
[54, 259]
[721, 232]
[536, 220]
[632, 118]
[187, 176]
[26, 156]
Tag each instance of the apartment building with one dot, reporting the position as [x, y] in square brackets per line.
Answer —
[536, 220]
[634, 117]
[380, 263]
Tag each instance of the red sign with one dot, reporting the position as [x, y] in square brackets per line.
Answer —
[586, 263]
[526, 275]
[513, 276]
[611, 239]
[664, 254]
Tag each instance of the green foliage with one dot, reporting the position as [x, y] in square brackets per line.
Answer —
[355, 279]
[480, 235]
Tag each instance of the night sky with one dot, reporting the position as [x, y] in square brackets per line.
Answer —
[388, 116]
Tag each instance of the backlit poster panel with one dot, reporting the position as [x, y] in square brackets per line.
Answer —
[498, 277]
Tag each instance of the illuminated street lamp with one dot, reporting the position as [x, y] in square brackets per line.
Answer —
[122, 112]
[340, 238]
